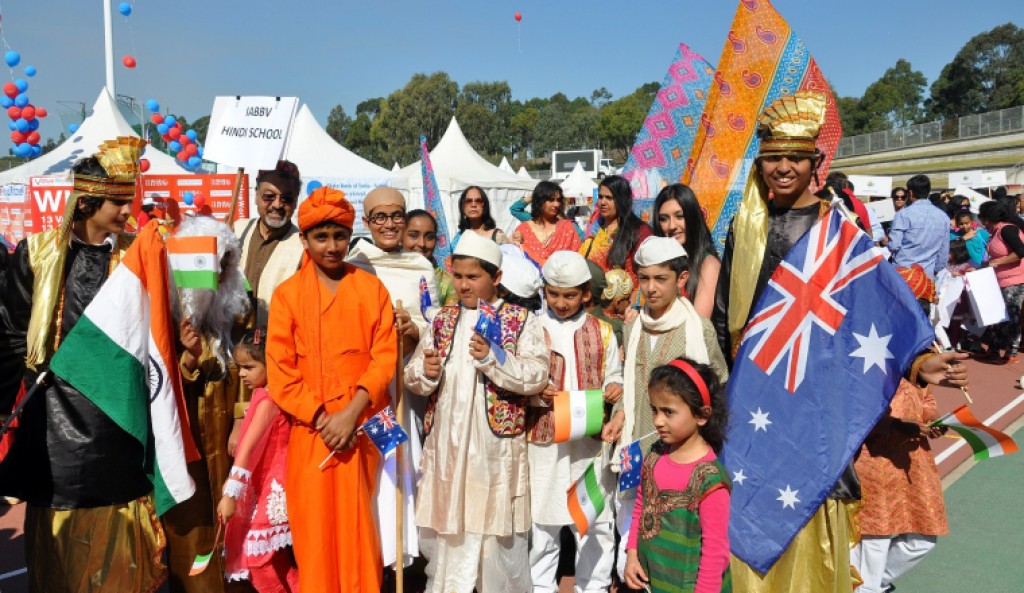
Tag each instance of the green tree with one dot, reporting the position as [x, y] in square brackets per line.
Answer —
[484, 112]
[620, 120]
[895, 100]
[522, 125]
[985, 75]
[600, 97]
[425, 105]
[371, 107]
[201, 126]
[358, 139]
[338, 124]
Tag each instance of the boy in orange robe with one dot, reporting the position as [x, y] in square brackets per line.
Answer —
[331, 354]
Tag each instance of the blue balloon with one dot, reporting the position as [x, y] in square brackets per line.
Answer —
[73, 128]
[162, 128]
[36, 150]
[22, 150]
[21, 83]
[30, 70]
[192, 135]
[33, 125]
[174, 145]
[22, 125]
[21, 100]
[170, 121]
[194, 162]
[6, 101]
[124, 8]
[188, 197]
[12, 58]
[11, 126]
[152, 105]
[312, 186]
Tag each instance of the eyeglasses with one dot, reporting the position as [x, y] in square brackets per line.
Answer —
[270, 198]
[901, 198]
[474, 201]
[380, 219]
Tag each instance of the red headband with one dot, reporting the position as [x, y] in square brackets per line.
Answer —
[694, 376]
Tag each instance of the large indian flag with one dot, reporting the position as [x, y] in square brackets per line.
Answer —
[121, 356]
[586, 500]
[578, 414]
[986, 442]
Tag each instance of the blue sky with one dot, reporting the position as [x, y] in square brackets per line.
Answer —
[328, 52]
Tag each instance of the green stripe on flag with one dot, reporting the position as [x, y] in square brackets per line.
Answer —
[595, 411]
[593, 489]
[195, 279]
[977, 444]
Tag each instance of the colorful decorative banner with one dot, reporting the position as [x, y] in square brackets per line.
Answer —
[666, 138]
[432, 198]
[761, 61]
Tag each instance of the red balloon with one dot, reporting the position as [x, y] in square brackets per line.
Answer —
[185, 140]
[17, 137]
[128, 61]
[157, 118]
[14, 112]
[174, 133]
[519, 17]
[199, 201]
[182, 156]
[11, 90]
[144, 165]
[191, 150]
[32, 137]
[28, 113]
[41, 112]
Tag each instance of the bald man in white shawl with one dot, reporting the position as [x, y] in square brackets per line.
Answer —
[400, 271]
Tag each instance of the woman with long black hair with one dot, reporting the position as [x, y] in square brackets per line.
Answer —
[620, 230]
[548, 230]
[678, 214]
[475, 216]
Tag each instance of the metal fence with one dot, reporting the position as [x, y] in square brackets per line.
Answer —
[969, 126]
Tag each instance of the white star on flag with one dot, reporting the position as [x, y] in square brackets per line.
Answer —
[373, 429]
[760, 420]
[788, 497]
[874, 349]
[738, 477]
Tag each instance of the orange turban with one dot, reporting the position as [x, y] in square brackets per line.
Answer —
[326, 204]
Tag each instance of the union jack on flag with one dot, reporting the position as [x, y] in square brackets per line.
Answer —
[385, 431]
[631, 459]
[489, 327]
[425, 302]
[828, 342]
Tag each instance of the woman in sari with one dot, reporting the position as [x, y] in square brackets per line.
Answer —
[475, 216]
[620, 230]
[548, 230]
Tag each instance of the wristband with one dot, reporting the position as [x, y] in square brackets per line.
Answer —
[915, 368]
[237, 482]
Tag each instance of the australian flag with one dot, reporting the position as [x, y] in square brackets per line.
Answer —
[822, 356]
[488, 326]
[385, 431]
[631, 459]
[424, 297]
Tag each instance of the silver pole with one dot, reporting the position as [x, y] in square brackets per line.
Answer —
[108, 38]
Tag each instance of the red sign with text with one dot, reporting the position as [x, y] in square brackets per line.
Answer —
[47, 195]
[211, 195]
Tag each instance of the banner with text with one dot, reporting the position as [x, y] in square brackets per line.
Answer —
[249, 132]
[211, 195]
[47, 196]
[14, 212]
[871, 186]
[355, 189]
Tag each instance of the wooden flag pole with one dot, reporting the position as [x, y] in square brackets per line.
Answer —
[233, 211]
[399, 474]
[938, 350]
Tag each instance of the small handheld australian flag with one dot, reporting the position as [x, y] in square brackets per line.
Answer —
[385, 431]
[631, 459]
[488, 326]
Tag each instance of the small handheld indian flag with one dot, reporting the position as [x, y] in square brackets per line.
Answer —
[578, 414]
[585, 500]
[203, 560]
[984, 441]
[194, 261]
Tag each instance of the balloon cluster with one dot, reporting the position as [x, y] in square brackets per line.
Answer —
[126, 9]
[24, 124]
[182, 143]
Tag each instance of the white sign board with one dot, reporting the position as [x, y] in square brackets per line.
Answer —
[249, 132]
[968, 178]
[975, 198]
[986, 298]
[992, 179]
[884, 210]
[871, 186]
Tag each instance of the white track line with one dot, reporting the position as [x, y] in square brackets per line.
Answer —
[988, 422]
[13, 573]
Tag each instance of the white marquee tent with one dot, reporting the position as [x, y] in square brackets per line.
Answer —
[456, 167]
[524, 173]
[318, 155]
[578, 184]
[105, 123]
[505, 166]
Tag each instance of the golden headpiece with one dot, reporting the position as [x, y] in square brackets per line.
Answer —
[790, 124]
[120, 159]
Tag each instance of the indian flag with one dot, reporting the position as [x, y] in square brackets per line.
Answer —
[984, 441]
[121, 355]
[578, 414]
[586, 500]
[194, 261]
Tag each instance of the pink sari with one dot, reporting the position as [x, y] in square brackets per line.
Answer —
[564, 238]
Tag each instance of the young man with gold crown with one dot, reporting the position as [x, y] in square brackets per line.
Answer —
[90, 524]
[778, 208]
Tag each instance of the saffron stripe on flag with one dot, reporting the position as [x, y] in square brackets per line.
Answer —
[585, 500]
[578, 414]
[985, 442]
[176, 245]
[200, 564]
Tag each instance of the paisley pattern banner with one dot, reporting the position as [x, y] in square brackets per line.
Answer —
[432, 198]
[761, 61]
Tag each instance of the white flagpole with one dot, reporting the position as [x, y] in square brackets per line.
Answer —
[108, 39]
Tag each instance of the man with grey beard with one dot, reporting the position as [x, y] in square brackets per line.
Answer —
[271, 250]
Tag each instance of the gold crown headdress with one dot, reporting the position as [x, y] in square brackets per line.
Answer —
[790, 124]
[120, 159]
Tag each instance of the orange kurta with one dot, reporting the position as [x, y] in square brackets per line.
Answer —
[320, 348]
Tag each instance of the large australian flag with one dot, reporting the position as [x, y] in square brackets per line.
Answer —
[832, 333]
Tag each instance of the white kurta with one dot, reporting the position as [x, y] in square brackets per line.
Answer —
[554, 467]
[400, 272]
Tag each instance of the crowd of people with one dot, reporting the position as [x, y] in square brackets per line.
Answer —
[310, 334]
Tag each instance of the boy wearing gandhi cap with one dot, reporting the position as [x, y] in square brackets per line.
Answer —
[473, 505]
[584, 356]
[667, 327]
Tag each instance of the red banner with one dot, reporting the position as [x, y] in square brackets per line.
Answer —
[211, 195]
[15, 218]
[47, 196]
